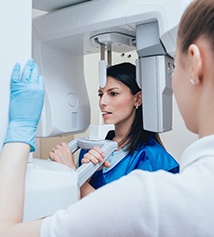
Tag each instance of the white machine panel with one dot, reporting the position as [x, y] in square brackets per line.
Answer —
[74, 30]
[49, 186]
[157, 93]
[55, 4]
[66, 107]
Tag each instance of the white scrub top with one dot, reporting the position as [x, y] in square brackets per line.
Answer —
[147, 203]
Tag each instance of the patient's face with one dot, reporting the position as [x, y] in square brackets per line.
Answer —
[116, 103]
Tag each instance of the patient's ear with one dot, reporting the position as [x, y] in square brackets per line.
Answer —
[196, 63]
[138, 98]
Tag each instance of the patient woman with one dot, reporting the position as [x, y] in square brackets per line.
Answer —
[121, 105]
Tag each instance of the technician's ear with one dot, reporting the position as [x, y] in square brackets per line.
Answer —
[196, 63]
[138, 99]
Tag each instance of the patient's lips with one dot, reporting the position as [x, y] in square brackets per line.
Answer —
[106, 114]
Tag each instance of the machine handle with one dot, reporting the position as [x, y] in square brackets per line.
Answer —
[85, 171]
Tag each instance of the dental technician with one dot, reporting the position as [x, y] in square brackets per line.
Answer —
[141, 203]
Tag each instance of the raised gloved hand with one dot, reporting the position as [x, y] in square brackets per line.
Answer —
[26, 103]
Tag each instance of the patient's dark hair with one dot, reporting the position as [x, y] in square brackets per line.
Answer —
[126, 73]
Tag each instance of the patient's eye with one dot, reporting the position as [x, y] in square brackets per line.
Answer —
[113, 93]
[100, 94]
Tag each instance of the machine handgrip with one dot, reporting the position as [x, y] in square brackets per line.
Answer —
[85, 171]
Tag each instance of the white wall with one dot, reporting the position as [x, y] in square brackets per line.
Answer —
[15, 46]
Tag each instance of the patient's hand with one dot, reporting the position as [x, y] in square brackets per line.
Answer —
[95, 155]
[61, 153]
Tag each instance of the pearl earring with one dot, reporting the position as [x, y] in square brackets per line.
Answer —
[192, 81]
[136, 107]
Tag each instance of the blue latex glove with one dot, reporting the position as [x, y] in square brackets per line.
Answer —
[26, 103]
